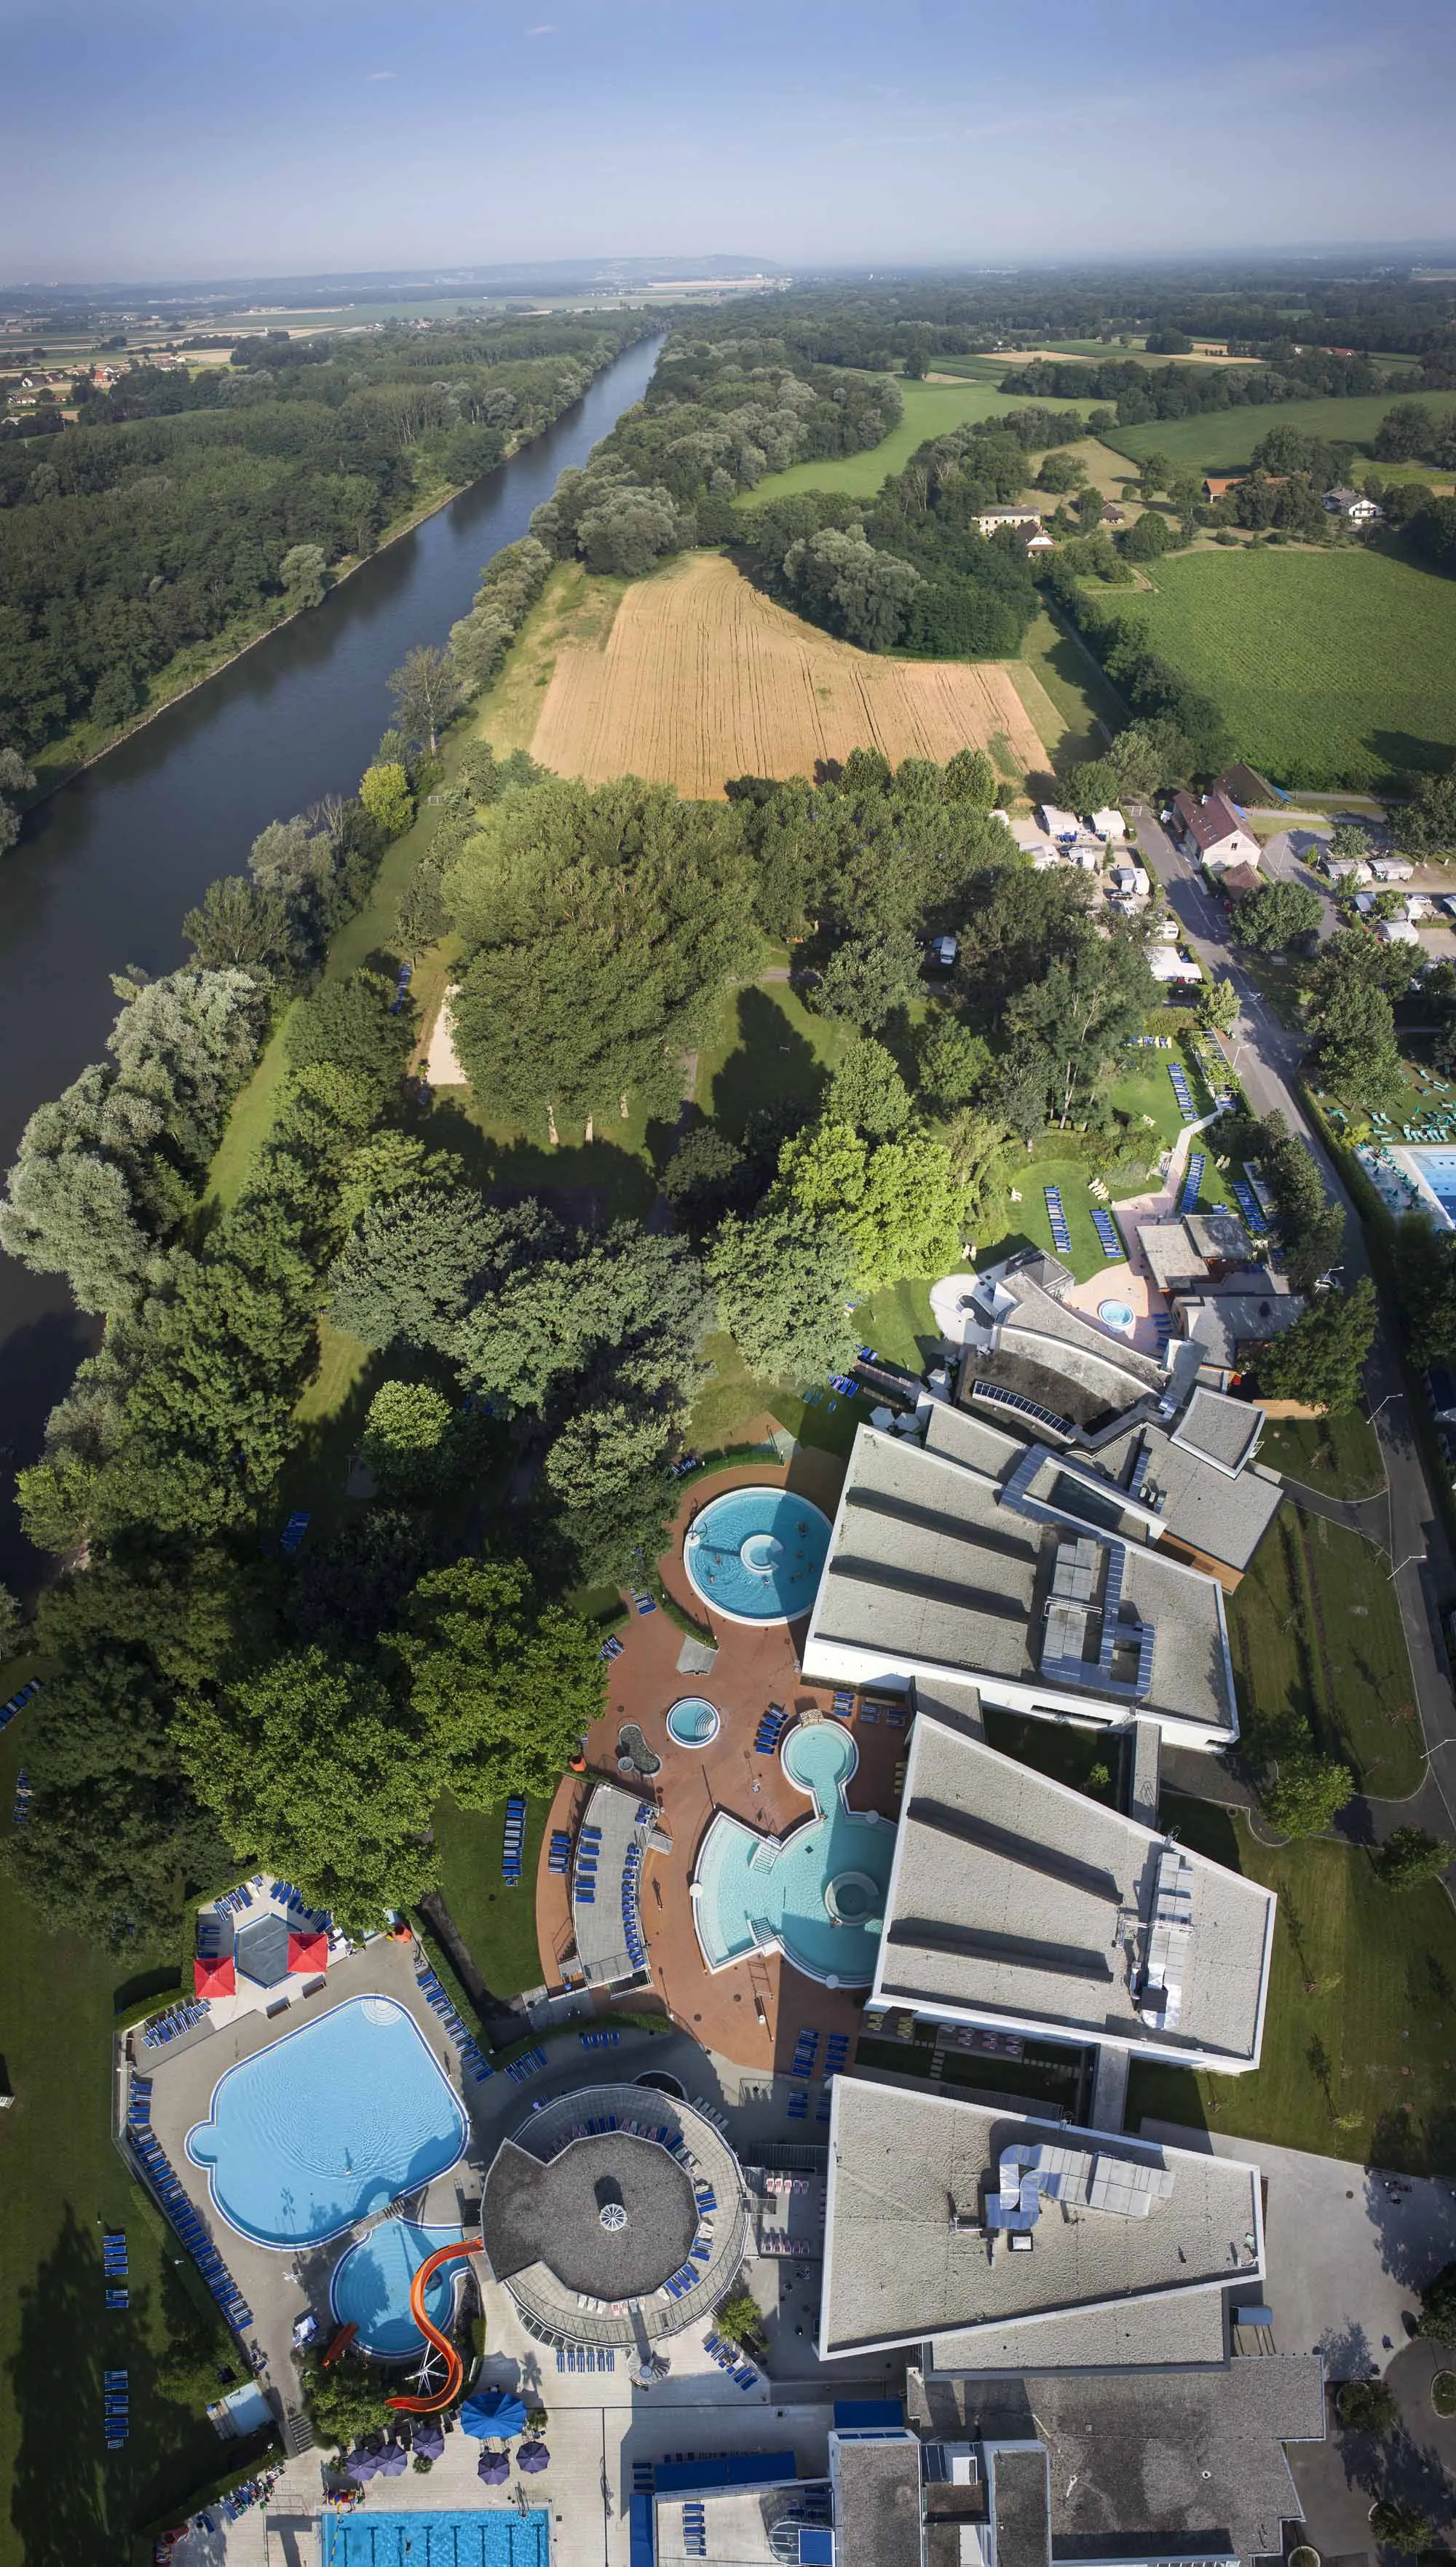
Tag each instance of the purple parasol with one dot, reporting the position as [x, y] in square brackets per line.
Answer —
[360, 2465]
[393, 2460]
[532, 2457]
[494, 2468]
[430, 2438]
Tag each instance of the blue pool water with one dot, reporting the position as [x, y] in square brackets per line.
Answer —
[370, 2288]
[327, 2125]
[498, 2538]
[751, 1891]
[1438, 1167]
[757, 1554]
[693, 1722]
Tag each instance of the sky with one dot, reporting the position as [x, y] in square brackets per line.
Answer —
[147, 139]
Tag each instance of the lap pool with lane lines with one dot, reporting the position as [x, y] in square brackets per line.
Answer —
[498, 2538]
[817, 1894]
[328, 2124]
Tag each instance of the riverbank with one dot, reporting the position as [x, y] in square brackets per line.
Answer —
[110, 862]
[85, 743]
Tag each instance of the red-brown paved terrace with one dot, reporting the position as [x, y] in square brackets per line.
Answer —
[750, 2013]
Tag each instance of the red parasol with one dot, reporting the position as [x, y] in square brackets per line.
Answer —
[308, 1954]
[215, 1978]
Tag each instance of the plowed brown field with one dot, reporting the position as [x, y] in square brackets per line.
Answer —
[701, 678]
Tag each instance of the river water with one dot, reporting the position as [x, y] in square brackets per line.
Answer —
[108, 866]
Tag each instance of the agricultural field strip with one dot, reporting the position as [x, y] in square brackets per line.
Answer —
[702, 678]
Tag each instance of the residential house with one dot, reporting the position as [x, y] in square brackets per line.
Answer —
[1109, 824]
[1217, 831]
[1113, 517]
[1166, 965]
[1354, 507]
[992, 518]
[1219, 485]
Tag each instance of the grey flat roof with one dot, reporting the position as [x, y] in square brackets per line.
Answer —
[601, 1945]
[1029, 1896]
[929, 1565]
[1020, 2505]
[880, 2511]
[1227, 1519]
[1221, 1236]
[1149, 2332]
[1224, 1321]
[1170, 1252]
[1225, 1431]
[895, 2269]
[1153, 2464]
[532, 2213]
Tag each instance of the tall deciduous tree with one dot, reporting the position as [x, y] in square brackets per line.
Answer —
[428, 692]
[312, 1768]
[1321, 1358]
[600, 928]
[783, 1283]
[503, 1687]
[901, 1205]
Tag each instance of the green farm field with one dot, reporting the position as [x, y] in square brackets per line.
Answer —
[1332, 667]
[1222, 441]
[930, 411]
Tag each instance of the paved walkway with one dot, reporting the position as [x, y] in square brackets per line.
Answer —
[1267, 1057]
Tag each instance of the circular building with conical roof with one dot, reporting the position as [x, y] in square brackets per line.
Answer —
[615, 2215]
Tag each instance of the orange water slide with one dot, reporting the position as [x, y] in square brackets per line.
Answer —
[434, 2399]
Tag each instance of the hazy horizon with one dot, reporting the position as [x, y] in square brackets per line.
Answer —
[331, 140]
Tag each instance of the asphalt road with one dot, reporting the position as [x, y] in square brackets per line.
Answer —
[1266, 1054]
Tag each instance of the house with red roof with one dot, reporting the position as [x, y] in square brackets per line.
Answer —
[1214, 828]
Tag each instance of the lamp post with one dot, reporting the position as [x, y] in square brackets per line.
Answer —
[1404, 1564]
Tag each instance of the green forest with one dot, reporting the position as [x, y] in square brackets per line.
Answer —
[179, 507]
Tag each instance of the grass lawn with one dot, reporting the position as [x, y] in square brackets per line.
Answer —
[1063, 1749]
[1332, 667]
[1085, 701]
[1222, 441]
[1314, 1628]
[67, 2502]
[931, 409]
[498, 1924]
[1338, 1456]
[1360, 2041]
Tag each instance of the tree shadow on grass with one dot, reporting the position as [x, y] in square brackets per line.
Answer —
[772, 1061]
[587, 1183]
[1406, 749]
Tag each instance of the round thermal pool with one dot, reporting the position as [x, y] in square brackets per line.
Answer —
[693, 1722]
[1116, 1314]
[757, 1554]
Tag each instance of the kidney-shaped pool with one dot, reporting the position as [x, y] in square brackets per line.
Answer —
[328, 2124]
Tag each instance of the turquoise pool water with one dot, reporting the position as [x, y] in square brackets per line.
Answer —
[818, 1893]
[327, 2125]
[1438, 1167]
[757, 1554]
[498, 2538]
[695, 1721]
[370, 2288]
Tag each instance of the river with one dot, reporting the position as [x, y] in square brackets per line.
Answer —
[108, 866]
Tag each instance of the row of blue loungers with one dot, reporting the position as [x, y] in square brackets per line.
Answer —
[728, 2359]
[113, 2267]
[18, 1701]
[1247, 1203]
[559, 1856]
[1061, 1234]
[694, 2529]
[631, 1913]
[1106, 1230]
[513, 1855]
[185, 2220]
[472, 2057]
[588, 1849]
[526, 2066]
[771, 1729]
[1192, 1183]
[170, 2027]
[585, 2357]
[115, 2408]
[1182, 1094]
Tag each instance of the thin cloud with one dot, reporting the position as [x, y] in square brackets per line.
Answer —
[374, 76]
[540, 30]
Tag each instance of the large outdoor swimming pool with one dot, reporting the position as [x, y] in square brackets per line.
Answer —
[370, 2288]
[1438, 1167]
[757, 1554]
[817, 1894]
[328, 2124]
[497, 2539]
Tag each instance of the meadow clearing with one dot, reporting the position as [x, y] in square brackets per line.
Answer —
[931, 409]
[697, 677]
[1332, 667]
[1222, 441]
